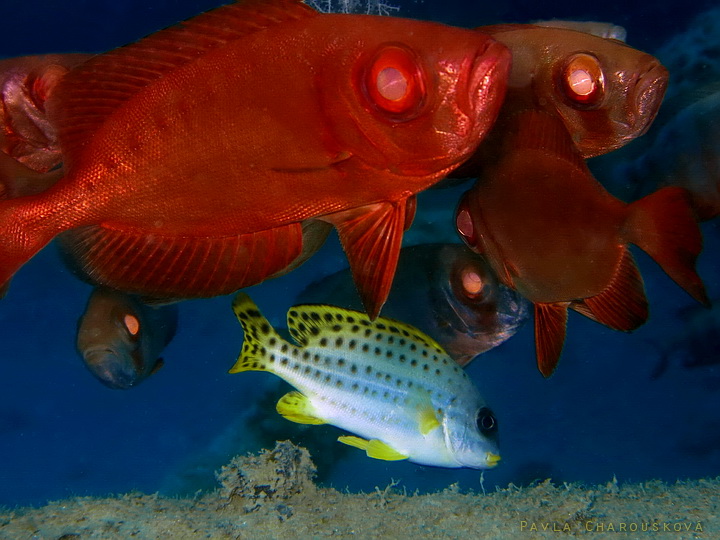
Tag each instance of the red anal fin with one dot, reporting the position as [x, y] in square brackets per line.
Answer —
[179, 267]
[663, 225]
[371, 236]
[622, 305]
[550, 323]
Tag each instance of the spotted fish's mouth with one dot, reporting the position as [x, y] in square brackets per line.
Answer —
[492, 459]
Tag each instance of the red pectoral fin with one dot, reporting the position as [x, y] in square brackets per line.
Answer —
[371, 236]
[550, 322]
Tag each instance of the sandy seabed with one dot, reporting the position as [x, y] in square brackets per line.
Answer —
[272, 495]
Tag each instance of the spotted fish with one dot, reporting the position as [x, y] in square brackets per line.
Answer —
[386, 382]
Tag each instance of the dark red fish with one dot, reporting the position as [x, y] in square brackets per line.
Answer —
[194, 156]
[120, 338]
[445, 290]
[605, 92]
[553, 233]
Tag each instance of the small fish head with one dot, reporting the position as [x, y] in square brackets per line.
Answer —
[471, 435]
[421, 95]
[606, 92]
[116, 371]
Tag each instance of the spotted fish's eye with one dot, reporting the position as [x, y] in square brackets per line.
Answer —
[582, 80]
[486, 422]
[395, 83]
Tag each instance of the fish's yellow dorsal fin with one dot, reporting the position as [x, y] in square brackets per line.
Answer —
[297, 408]
[258, 331]
[113, 78]
[374, 448]
[309, 323]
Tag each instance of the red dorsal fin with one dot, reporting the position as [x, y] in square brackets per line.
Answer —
[90, 93]
[535, 130]
[622, 305]
[550, 323]
[179, 267]
[663, 226]
[371, 236]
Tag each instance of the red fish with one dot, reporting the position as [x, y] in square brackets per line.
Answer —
[120, 338]
[194, 156]
[605, 92]
[553, 233]
[26, 83]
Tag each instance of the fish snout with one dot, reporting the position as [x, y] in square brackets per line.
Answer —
[111, 369]
[487, 83]
[648, 95]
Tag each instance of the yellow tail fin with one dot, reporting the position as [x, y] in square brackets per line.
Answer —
[258, 334]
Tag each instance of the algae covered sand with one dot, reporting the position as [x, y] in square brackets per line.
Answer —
[272, 495]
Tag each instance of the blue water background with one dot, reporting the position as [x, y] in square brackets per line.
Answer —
[62, 433]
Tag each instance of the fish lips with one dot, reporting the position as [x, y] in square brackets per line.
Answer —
[111, 369]
[647, 97]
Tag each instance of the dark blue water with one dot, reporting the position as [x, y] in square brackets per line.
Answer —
[62, 433]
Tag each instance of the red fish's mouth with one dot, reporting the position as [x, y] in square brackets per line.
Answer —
[648, 95]
[486, 87]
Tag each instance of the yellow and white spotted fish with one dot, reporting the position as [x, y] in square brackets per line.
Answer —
[386, 382]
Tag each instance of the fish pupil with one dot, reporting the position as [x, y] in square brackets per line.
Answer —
[392, 84]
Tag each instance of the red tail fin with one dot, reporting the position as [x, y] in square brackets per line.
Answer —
[664, 226]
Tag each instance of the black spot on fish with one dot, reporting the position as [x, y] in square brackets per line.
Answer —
[395, 399]
[373, 393]
[389, 354]
[368, 331]
[327, 378]
[317, 374]
[378, 337]
[254, 365]
[355, 386]
[306, 355]
[336, 328]
[388, 378]
[272, 358]
[402, 358]
[378, 375]
[405, 333]
[365, 389]
[391, 340]
[386, 394]
[295, 352]
[410, 384]
[413, 362]
[377, 351]
[296, 366]
[327, 360]
[341, 362]
[398, 382]
[284, 361]
[315, 316]
[339, 316]
[365, 347]
[293, 313]
[323, 342]
[302, 328]
[353, 368]
[328, 317]
[304, 316]
[456, 369]
[425, 353]
[338, 384]
[339, 342]
[394, 329]
[352, 344]
[306, 370]
[413, 347]
[253, 313]
[355, 329]
[426, 367]
[365, 322]
[368, 370]
[316, 358]
[284, 348]
[351, 319]
[380, 326]
[272, 341]
[437, 372]
[445, 361]
[314, 331]
[265, 328]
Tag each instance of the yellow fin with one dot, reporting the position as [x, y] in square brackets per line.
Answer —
[374, 448]
[427, 419]
[257, 329]
[296, 407]
[308, 323]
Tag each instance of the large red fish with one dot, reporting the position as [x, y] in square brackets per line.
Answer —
[549, 229]
[553, 233]
[194, 156]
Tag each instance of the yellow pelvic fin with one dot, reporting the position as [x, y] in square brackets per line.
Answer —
[296, 407]
[258, 332]
[374, 448]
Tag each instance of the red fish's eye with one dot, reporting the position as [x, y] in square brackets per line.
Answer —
[464, 224]
[582, 80]
[395, 83]
[132, 325]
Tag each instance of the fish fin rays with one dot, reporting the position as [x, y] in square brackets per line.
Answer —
[374, 448]
[663, 225]
[550, 326]
[622, 305]
[97, 88]
[257, 330]
[371, 237]
[175, 266]
[297, 408]
[427, 419]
